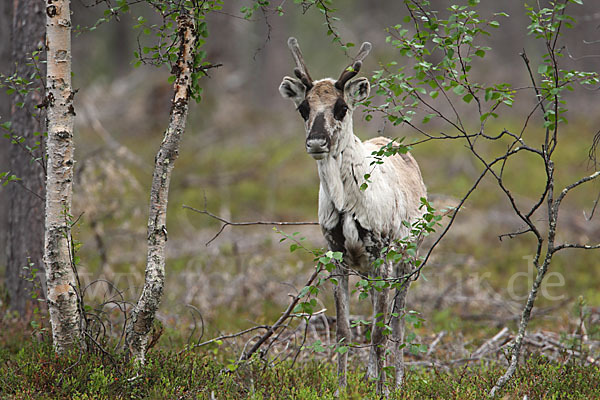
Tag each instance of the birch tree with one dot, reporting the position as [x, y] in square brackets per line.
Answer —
[142, 318]
[62, 297]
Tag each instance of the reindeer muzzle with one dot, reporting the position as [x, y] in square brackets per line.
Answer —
[317, 142]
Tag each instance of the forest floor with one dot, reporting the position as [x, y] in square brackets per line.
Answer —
[29, 369]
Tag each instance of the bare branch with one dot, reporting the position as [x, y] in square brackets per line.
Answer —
[247, 223]
[589, 218]
[566, 190]
[593, 148]
[512, 235]
[576, 246]
[231, 336]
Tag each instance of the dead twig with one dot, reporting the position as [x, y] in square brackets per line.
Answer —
[491, 343]
[227, 223]
[435, 342]
[231, 336]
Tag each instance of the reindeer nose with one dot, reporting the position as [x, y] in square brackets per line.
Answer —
[316, 145]
[317, 142]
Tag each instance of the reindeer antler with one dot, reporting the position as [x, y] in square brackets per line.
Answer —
[300, 71]
[352, 70]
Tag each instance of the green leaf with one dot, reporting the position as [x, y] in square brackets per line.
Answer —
[304, 291]
[542, 69]
[467, 98]
[298, 309]
[427, 118]
[459, 90]
[488, 94]
[232, 367]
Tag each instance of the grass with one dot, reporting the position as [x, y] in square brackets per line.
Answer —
[32, 371]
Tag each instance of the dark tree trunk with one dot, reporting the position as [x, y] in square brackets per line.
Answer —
[25, 242]
[5, 25]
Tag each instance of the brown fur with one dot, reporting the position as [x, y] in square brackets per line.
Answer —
[323, 93]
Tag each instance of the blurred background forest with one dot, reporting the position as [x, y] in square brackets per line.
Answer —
[243, 156]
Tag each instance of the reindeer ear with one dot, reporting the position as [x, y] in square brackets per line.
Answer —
[292, 88]
[356, 91]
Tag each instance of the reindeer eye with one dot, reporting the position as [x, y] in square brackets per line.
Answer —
[339, 109]
[304, 109]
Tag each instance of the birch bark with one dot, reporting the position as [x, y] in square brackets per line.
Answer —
[142, 317]
[62, 295]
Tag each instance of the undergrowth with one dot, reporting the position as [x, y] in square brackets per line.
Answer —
[32, 370]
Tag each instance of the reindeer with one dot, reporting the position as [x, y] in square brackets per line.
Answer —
[358, 223]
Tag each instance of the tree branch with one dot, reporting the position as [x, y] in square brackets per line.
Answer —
[227, 223]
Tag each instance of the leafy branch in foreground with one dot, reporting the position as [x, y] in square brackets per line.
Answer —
[444, 90]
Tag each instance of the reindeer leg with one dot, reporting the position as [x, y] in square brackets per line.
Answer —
[342, 310]
[378, 337]
[372, 371]
[398, 325]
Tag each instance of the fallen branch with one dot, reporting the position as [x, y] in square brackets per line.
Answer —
[489, 344]
[435, 342]
[281, 319]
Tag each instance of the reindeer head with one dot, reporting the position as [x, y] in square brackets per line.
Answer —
[325, 105]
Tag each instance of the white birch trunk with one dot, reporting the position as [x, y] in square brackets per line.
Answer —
[60, 274]
[142, 317]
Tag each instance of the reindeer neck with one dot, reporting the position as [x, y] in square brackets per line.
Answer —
[342, 172]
